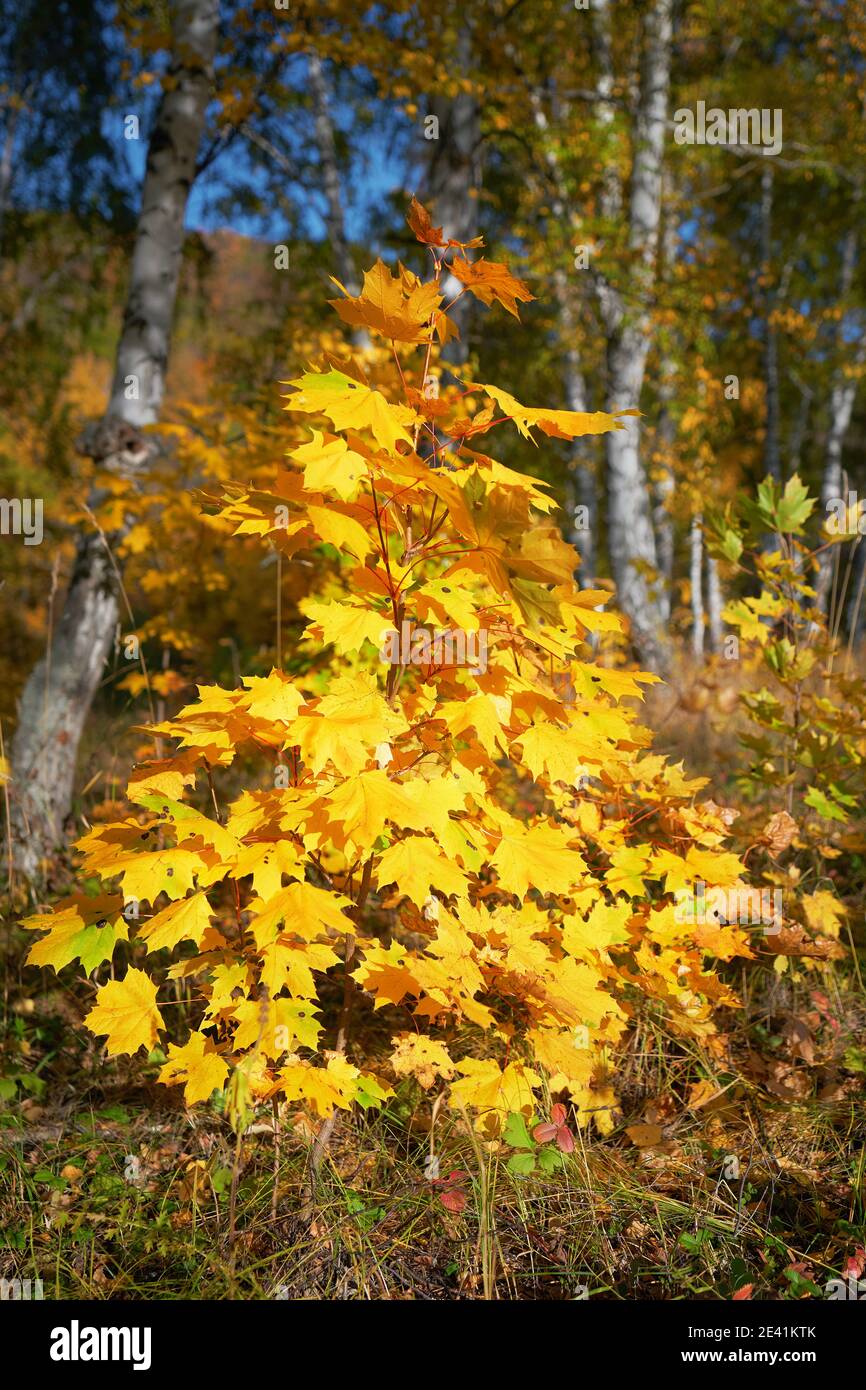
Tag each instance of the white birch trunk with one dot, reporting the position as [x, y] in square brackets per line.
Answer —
[633, 555]
[696, 556]
[843, 394]
[714, 605]
[330, 172]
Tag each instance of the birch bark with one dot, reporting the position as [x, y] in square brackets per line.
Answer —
[631, 538]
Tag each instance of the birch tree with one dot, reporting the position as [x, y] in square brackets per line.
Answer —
[331, 182]
[631, 539]
[59, 692]
[696, 553]
[843, 392]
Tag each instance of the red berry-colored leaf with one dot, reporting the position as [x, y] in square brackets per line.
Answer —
[565, 1139]
[453, 1201]
[543, 1133]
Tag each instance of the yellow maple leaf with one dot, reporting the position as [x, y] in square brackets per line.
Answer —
[546, 747]
[330, 465]
[271, 698]
[489, 281]
[346, 726]
[301, 909]
[362, 805]
[198, 1065]
[565, 1056]
[628, 865]
[716, 867]
[346, 626]
[539, 856]
[824, 912]
[341, 531]
[605, 926]
[225, 980]
[266, 861]
[286, 965]
[563, 424]
[185, 920]
[274, 1025]
[482, 713]
[574, 992]
[322, 1088]
[352, 405]
[494, 1091]
[126, 1010]
[384, 971]
[169, 871]
[417, 865]
[394, 306]
[166, 775]
[421, 1057]
[443, 600]
[81, 927]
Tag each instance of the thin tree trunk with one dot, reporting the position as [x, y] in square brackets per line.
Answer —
[666, 433]
[6, 158]
[582, 470]
[855, 617]
[714, 605]
[772, 457]
[631, 539]
[663, 522]
[696, 555]
[602, 43]
[842, 396]
[583, 478]
[800, 425]
[60, 691]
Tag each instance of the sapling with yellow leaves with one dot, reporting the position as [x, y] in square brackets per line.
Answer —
[445, 664]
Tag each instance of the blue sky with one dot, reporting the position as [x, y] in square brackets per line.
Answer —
[379, 168]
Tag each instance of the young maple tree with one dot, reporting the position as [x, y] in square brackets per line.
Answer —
[481, 844]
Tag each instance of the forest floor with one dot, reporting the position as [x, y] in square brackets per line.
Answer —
[752, 1181]
[737, 1171]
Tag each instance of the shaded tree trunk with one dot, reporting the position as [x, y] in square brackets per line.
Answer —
[453, 179]
[772, 457]
[59, 692]
[332, 184]
[6, 159]
[582, 528]
[666, 434]
[800, 425]
[330, 172]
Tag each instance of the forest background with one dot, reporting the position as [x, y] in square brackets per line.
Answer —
[180, 185]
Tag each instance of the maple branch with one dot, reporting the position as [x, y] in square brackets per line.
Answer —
[323, 1138]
